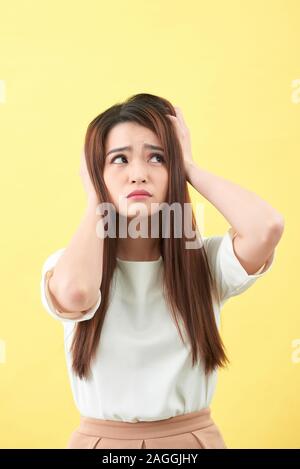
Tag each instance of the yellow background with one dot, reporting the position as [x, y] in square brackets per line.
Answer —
[230, 66]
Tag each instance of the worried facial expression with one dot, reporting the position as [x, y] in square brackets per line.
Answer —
[134, 161]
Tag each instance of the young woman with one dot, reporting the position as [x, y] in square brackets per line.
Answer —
[141, 314]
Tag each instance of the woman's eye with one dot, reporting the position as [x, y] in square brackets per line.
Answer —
[118, 156]
[153, 155]
[159, 156]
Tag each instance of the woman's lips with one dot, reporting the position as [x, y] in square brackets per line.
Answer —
[138, 196]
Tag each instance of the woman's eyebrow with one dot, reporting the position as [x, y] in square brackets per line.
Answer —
[146, 145]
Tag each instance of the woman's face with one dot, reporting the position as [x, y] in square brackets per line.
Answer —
[135, 168]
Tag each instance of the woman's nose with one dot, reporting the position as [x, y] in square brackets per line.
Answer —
[138, 173]
[138, 179]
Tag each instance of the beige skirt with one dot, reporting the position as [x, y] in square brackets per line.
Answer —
[195, 430]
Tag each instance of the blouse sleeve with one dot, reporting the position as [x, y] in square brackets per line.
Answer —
[231, 277]
[48, 300]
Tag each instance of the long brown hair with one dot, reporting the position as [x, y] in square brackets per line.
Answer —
[188, 283]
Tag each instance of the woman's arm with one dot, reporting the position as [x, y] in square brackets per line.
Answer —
[77, 276]
[258, 226]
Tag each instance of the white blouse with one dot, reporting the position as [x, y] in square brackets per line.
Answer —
[142, 370]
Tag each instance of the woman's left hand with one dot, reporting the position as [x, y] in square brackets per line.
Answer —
[183, 135]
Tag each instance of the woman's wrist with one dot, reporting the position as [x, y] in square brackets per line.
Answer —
[92, 200]
[189, 169]
[92, 203]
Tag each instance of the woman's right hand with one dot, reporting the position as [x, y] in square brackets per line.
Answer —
[86, 180]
